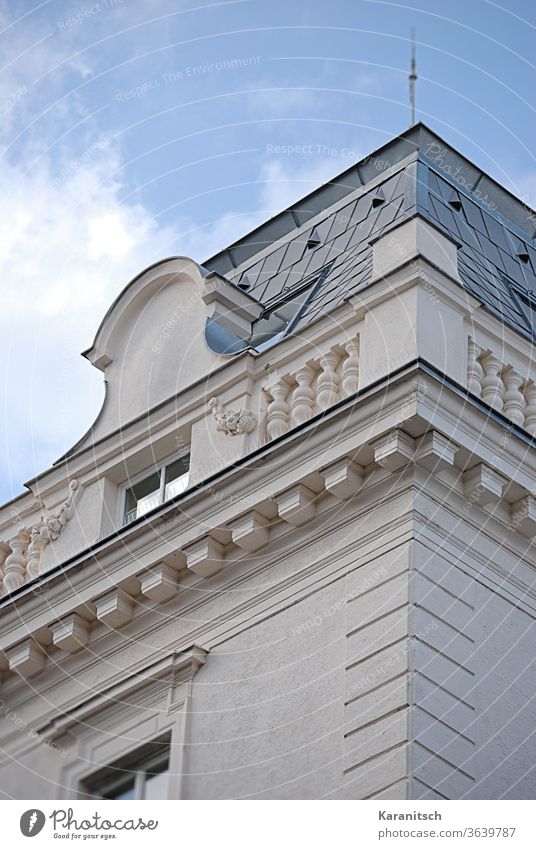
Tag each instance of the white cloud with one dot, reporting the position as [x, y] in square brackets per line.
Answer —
[67, 248]
[70, 241]
[69, 245]
[108, 236]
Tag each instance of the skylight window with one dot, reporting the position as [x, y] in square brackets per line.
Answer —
[281, 316]
[527, 300]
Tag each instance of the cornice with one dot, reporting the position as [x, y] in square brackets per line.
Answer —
[212, 512]
[276, 596]
[307, 461]
[357, 441]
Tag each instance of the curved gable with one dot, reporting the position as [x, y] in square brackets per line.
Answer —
[150, 345]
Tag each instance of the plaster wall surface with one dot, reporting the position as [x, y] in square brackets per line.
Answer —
[473, 670]
[399, 669]
[377, 641]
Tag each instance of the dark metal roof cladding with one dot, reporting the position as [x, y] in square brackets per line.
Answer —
[497, 255]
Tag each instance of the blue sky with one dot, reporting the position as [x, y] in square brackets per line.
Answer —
[135, 129]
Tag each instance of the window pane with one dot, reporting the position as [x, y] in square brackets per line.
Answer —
[176, 477]
[141, 497]
[139, 775]
[176, 487]
[146, 486]
[121, 793]
[156, 786]
[177, 468]
[145, 504]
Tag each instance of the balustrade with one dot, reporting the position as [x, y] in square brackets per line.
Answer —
[312, 388]
[501, 386]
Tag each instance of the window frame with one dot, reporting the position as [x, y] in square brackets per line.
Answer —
[136, 764]
[309, 286]
[160, 469]
[526, 301]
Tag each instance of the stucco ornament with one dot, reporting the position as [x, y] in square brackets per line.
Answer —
[25, 548]
[232, 422]
[48, 530]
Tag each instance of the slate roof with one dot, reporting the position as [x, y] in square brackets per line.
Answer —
[331, 259]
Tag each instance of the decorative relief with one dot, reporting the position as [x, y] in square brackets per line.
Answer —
[312, 388]
[502, 387]
[232, 422]
[23, 562]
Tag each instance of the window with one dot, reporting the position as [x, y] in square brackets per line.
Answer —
[154, 488]
[144, 776]
[280, 316]
[528, 304]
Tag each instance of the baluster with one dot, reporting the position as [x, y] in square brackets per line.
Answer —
[4, 550]
[327, 386]
[350, 368]
[303, 397]
[514, 401]
[15, 565]
[530, 409]
[475, 372]
[278, 410]
[492, 385]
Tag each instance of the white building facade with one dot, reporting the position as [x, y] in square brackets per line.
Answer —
[293, 557]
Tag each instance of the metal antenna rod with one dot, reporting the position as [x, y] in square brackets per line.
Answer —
[412, 77]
